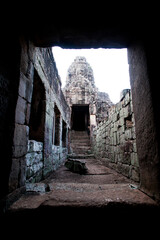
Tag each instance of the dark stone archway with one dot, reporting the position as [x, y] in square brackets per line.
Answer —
[80, 117]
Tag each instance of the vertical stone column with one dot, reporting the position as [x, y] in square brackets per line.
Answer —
[93, 121]
[93, 125]
[60, 131]
[146, 132]
[48, 136]
[22, 114]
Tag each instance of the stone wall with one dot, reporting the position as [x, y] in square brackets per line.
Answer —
[144, 69]
[115, 139]
[39, 92]
[9, 81]
[58, 155]
[34, 161]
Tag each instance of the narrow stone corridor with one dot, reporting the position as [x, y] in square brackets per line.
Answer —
[36, 116]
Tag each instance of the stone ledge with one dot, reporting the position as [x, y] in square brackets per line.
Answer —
[94, 195]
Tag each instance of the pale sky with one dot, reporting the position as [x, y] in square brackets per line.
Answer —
[110, 68]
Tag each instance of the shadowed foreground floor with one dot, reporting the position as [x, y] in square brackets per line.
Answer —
[101, 191]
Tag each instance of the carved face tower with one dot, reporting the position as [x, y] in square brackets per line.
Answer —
[80, 87]
[82, 95]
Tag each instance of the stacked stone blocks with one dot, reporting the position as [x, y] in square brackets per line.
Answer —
[34, 161]
[115, 139]
[34, 158]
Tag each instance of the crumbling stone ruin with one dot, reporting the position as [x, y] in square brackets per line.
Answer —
[40, 142]
[112, 135]
[103, 103]
[115, 138]
[35, 117]
[88, 106]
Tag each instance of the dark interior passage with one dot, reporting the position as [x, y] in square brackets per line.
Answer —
[80, 117]
[37, 117]
[57, 126]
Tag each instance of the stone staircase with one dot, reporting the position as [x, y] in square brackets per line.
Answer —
[80, 146]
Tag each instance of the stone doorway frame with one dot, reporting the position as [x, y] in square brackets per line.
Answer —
[84, 108]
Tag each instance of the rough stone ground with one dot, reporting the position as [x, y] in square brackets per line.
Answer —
[100, 202]
[101, 187]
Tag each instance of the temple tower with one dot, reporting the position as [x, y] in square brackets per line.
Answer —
[83, 97]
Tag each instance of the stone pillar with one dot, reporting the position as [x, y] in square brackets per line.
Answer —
[48, 136]
[17, 176]
[93, 125]
[93, 120]
[146, 129]
[60, 129]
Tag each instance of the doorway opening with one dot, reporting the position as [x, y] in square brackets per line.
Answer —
[64, 134]
[37, 117]
[80, 117]
[57, 126]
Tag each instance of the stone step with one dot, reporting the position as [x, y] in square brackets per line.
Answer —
[81, 156]
[83, 148]
[80, 144]
[85, 143]
[82, 152]
[79, 138]
[79, 132]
